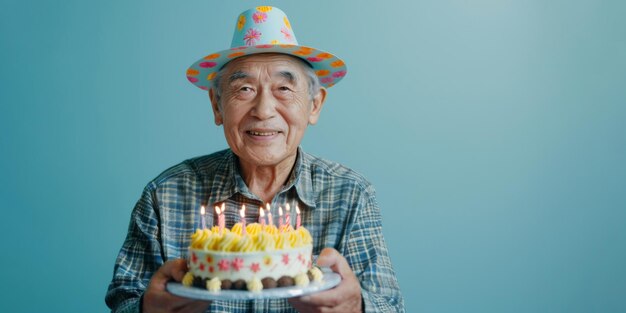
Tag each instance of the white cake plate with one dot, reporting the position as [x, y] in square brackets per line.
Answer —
[330, 280]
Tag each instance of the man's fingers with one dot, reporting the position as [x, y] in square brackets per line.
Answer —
[170, 270]
[330, 257]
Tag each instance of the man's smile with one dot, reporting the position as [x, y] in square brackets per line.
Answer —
[262, 133]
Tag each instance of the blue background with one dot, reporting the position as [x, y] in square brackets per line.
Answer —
[493, 131]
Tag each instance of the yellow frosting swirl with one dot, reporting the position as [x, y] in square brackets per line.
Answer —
[245, 244]
[265, 242]
[306, 236]
[236, 229]
[228, 242]
[212, 241]
[295, 240]
[198, 238]
[253, 229]
[257, 238]
[282, 241]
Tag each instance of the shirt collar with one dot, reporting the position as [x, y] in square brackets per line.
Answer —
[223, 186]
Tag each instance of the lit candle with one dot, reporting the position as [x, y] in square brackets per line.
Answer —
[270, 220]
[202, 212]
[261, 216]
[243, 219]
[280, 217]
[288, 215]
[222, 220]
[297, 217]
[219, 219]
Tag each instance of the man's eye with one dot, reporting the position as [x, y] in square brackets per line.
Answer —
[245, 89]
[284, 88]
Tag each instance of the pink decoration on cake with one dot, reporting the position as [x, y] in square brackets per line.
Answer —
[224, 265]
[286, 259]
[201, 267]
[194, 258]
[255, 267]
[301, 258]
[237, 264]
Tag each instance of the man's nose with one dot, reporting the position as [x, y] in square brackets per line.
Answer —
[265, 106]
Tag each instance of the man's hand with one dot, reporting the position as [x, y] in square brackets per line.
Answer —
[344, 298]
[157, 299]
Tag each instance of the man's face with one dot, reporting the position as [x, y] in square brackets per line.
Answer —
[265, 107]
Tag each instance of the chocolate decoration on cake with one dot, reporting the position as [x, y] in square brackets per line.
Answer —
[269, 282]
[285, 281]
[239, 284]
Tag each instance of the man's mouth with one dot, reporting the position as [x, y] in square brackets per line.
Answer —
[262, 133]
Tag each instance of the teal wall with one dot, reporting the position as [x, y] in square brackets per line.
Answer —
[493, 131]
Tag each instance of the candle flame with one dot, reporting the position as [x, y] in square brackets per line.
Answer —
[202, 210]
[287, 207]
[223, 207]
[267, 206]
[217, 210]
[280, 211]
[261, 212]
[297, 209]
[243, 211]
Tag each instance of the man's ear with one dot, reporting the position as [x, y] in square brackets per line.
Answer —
[216, 108]
[316, 108]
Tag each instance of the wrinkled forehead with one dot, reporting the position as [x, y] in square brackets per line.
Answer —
[271, 63]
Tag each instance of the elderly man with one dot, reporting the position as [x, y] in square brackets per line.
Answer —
[265, 93]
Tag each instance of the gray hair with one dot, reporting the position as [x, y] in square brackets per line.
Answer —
[314, 81]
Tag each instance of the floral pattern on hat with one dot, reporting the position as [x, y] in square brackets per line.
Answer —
[259, 17]
[251, 37]
[287, 34]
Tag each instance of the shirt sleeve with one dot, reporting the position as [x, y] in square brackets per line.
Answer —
[139, 257]
[367, 254]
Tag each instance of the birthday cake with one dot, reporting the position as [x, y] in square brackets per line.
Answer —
[251, 257]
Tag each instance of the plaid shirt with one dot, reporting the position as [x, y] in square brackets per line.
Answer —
[338, 207]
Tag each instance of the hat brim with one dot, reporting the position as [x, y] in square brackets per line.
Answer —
[329, 68]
